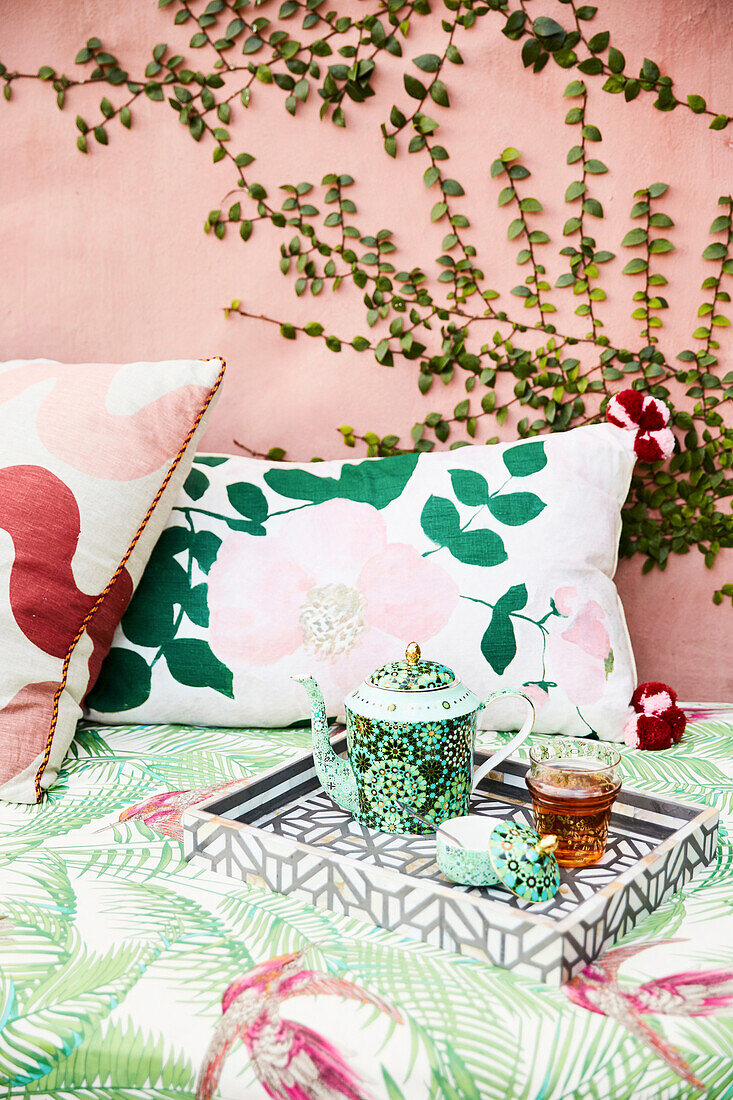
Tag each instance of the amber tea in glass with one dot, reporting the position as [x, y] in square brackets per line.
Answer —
[573, 785]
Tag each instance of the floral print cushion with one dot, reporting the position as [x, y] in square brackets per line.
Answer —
[128, 974]
[497, 560]
[91, 459]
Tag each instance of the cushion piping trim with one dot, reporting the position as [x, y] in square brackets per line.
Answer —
[123, 562]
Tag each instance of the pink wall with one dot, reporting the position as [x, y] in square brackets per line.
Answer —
[104, 256]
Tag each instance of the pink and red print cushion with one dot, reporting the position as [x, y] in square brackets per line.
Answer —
[91, 458]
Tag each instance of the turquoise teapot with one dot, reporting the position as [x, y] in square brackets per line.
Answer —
[410, 731]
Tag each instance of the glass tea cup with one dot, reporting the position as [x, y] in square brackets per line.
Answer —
[574, 784]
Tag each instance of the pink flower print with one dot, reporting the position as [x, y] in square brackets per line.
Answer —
[581, 649]
[539, 696]
[326, 588]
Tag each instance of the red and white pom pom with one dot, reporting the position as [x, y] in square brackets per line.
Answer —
[648, 417]
[655, 722]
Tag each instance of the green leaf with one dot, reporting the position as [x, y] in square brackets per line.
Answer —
[377, 482]
[123, 682]
[574, 88]
[516, 509]
[549, 31]
[575, 190]
[599, 42]
[616, 60]
[470, 488]
[657, 189]
[191, 662]
[649, 70]
[525, 459]
[427, 62]
[634, 266]
[414, 87]
[719, 122]
[634, 237]
[196, 484]
[248, 500]
[439, 93]
[715, 251]
[696, 103]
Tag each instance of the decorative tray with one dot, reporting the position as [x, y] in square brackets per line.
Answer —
[280, 830]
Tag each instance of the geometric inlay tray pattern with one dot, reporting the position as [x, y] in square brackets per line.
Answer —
[315, 820]
[281, 831]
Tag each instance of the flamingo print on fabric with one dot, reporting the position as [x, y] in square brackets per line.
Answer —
[690, 993]
[163, 812]
[291, 1061]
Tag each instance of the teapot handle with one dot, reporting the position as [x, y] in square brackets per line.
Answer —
[508, 749]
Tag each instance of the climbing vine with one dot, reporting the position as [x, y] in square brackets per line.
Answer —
[436, 323]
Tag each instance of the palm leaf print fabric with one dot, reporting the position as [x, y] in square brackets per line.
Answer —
[128, 974]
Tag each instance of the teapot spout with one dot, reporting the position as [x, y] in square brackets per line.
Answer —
[335, 774]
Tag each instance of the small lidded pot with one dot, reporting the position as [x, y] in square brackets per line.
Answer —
[481, 851]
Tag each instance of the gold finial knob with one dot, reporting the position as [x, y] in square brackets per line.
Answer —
[546, 844]
[412, 653]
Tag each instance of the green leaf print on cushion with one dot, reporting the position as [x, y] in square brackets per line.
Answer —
[442, 524]
[123, 683]
[165, 596]
[369, 482]
[210, 460]
[515, 509]
[499, 643]
[204, 548]
[248, 500]
[191, 662]
[196, 484]
[470, 488]
[525, 459]
[441, 521]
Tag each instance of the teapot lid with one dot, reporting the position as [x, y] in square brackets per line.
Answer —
[523, 861]
[412, 674]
